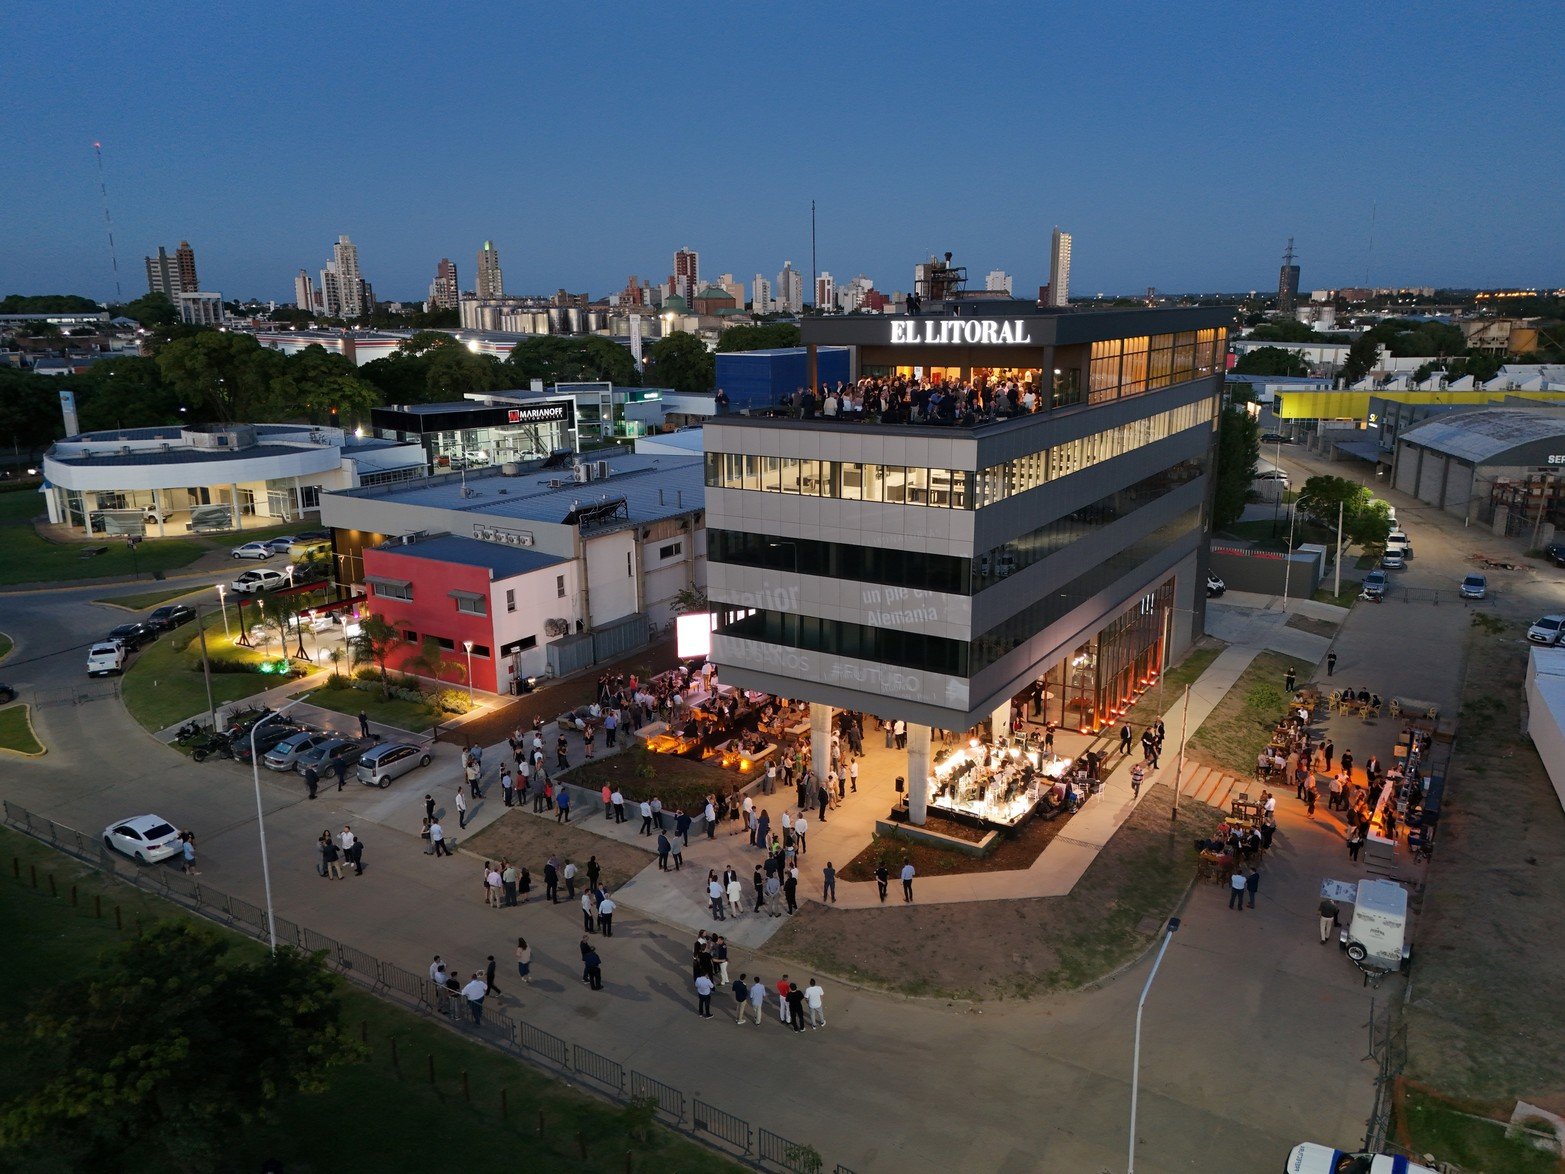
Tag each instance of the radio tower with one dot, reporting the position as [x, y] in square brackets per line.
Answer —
[103, 190]
[1288, 281]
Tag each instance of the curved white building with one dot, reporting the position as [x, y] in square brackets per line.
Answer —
[161, 481]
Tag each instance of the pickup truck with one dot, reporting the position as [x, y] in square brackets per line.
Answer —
[253, 581]
[105, 658]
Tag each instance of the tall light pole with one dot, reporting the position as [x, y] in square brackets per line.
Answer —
[1179, 763]
[222, 604]
[468, 644]
[1135, 1062]
[260, 818]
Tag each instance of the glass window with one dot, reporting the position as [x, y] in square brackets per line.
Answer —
[789, 472]
[810, 478]
[852, 485]
[895, 477]
[510, 600]
[831, 479]
[771, 480]
[873, 488]
[752, 473]
[918, 486]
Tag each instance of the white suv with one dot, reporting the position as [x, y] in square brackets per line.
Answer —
[105, 658]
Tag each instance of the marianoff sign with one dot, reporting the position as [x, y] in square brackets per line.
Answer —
[959, 332]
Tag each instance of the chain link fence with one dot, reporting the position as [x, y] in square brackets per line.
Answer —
[704, 1123]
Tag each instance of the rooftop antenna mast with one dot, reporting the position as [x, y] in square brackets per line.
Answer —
[814, 281]
[103, 190]
[1370, 251]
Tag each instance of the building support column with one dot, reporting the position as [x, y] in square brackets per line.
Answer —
[918, 759]
[1000, 722]
[233, 497]
[820, 740]
[813, 372]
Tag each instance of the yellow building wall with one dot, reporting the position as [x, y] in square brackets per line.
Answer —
[1354, 405]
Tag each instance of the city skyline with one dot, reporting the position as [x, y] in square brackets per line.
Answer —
[1186, 187]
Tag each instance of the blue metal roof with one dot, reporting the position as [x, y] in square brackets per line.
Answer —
[502, 561]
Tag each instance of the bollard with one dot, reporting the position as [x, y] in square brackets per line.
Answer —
[466, 1094]
[505, 1108]
[97, 906]
[431, 1068]
[394, 1051]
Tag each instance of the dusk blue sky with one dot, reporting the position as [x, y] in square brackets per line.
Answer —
[1181, 144]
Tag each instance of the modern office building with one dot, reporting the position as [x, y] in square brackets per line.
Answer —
[1060, 269]
[937, 573]
[172, 276]
[445, 290]
[490, 282]
[200, 308]
[790, 290]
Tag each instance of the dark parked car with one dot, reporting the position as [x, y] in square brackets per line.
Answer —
[133, 636]
[170, 616]
[7, 694]
[271, 734]
[1275, 438]
[1556, 554]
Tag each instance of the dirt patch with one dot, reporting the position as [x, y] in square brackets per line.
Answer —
[1016, 851]
[678, 782]
[530, 840]
[1326, 628]
[1485, 1021]
[1241, 724]
[1016, 949]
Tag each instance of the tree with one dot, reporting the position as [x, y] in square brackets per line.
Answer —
[690, 601]
[376, 641]
[47, 304]
[758, 338]
[232, 375]
[452, 372]
[1284, 330]
[585, 358]
[1366, 521]
[680, 360]
[323, 382]
[1271, 360]
[1362, 356]
[150, 309]
[432, 662]
[171, 1049]
[1237, 451]
[127, 391]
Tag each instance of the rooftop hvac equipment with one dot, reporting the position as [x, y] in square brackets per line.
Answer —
[510, 469]
[602, 469]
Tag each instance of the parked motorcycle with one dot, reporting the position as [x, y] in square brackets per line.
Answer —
[1214, 586]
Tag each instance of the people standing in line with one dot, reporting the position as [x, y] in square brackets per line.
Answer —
[1252, 885]
[437, 839]
[795, 1006]
[1328, 919]
[474, 993]
[815, 1002]
[1237, 886]
[606, 915]
[524, 960]
[704, 996]
[461, 809]
[908, 872]
[829, 883]
[882, 879]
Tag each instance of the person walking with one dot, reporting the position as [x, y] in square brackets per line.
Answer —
[1252, 885]
[606, 915]
[882, 879]
[1138, 771]
[524, 960]
[1237, 886]
[429, 807]
[364, 724]
[594, 965]
[795, 1006]
[703, 996]
[489, 981]
[908, 872]
[829, 883]
[1124, 738]
[1331, 664]
[815, 1002]
[682, 822]
[757, 1000]
[437, 839]
[461, 809]
[312, 780]
[474, 993]
[1288, 680]
[562, 805]
[340, 769]
[1328, 919]
[187, 852]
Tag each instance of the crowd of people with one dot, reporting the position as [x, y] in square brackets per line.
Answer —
[899, 399]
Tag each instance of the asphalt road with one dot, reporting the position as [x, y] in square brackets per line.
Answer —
[1254, 1033]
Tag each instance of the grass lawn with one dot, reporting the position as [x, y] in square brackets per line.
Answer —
[405, 715]
[1242, 722]
[374, 1116]
[16, 732]
[1350, 593]
[678, 782]
[6, 644]
[148, 599]
[27, 558]
[1425, 1124]
[164, 685]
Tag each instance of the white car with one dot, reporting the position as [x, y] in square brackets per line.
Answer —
[1548, 630]
[147, 838]
[106, 658]
[1397, 540]
[254, 550]
[1310, 1158]
[251, 582]
[1392, 560]
[390, 760]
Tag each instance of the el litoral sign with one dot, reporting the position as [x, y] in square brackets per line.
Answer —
[960, 332]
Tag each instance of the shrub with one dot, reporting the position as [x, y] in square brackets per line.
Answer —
[451, 701]
[367, 672]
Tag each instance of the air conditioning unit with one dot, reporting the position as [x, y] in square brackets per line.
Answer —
[556, 483]
[602, 469]
[583, 474]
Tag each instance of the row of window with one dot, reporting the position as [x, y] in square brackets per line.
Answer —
[468, 603]
[949, 488]
[445, 644]
[958, 658]
[940, 572]
[1123, 367]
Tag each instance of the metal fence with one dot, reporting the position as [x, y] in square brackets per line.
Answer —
[704, 1123]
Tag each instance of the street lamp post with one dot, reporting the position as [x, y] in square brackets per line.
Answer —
[222, 604]
[468, 644]
[260, 818]
[1135, 1062]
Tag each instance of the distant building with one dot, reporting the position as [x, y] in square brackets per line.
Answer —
[634, 294]
[790, 290]
[200, 308]
[305, 295]
[761, 297]
[344, 292]
[1502, 336]
[1287, 281]
[825, 292]
[998, 281]
[686, 278]
[445, 290]
[1059, 270]
[712, 300]
[490, 282]
[172, 276]
[733, 287]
